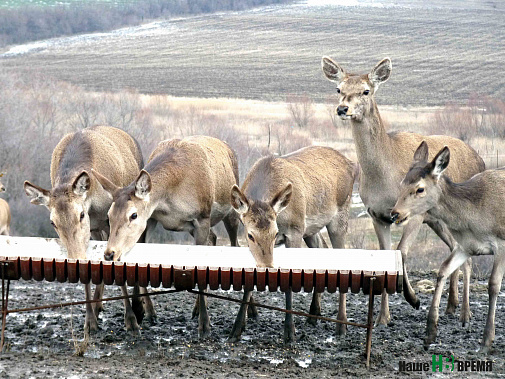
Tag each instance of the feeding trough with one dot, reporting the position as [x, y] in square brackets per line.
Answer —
[187, 267]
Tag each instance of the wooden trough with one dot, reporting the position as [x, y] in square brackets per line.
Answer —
[185, 267]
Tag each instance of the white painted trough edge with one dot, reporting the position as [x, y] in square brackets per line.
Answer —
[214, 256]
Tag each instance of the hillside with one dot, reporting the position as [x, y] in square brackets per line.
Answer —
[441, 51]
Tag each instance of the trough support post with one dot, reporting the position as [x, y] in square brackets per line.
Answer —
[369, 324]
[5, 300]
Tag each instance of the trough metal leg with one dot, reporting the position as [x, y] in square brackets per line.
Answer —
[369, 324]
[5, 301]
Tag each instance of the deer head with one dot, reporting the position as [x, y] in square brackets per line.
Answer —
[356, 92]
[128, 213]
[68, 209]
[260, 221]
[420, 190]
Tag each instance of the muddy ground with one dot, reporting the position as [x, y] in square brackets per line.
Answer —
[43, 344]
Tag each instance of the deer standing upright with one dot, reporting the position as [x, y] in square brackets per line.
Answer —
[473, 211]
[384, 159]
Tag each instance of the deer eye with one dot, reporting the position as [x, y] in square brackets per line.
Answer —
[81, 216]
[338, 90]
[54, 225]
[366, 92]
[420, 190]
[249, 235]
[133, 216]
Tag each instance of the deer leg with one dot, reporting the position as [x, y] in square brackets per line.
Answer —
[456, 259]
[90, 323]
[147, 310]
[203, 317]
[212, 238]
[252, 310]
[383, 232]
[130, 318]
[293, 241]
[150, 312]
[342, 315]
[445, 235]
[314, 241]
[494, 287]
[231, 223]
[410, 232]
[98, 307]
[137, 304]
[337, 229]
[98, 235]
[201, 234]
[289, 325]
[466, 314]
[240, 320]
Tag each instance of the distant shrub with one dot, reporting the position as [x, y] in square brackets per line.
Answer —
[481, 115]
[301, 109]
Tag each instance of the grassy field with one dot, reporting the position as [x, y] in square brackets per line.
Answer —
[440, 53]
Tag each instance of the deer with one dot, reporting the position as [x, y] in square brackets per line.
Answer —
[78, 204]
[384, 159]
[5, 213]
[287, 200]
[473, 212]
[185, 186]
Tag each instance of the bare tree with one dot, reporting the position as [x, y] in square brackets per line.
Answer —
[301, 109]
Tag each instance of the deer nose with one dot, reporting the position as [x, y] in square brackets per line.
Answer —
[2, 189]
[109, 255]
[342, 110]
[394, 216]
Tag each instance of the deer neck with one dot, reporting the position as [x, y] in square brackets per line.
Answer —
[373, 145]
[457, 202]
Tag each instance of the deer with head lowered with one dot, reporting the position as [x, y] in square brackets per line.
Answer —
[5, 213]
[473, 212]
[385, 159]
[78, 204]
[185, 186]
[288, 200]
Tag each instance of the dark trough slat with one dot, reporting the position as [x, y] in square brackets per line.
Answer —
[96, 272]
[156, 275]
[61, 270]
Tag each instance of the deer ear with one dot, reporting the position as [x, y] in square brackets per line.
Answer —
[421, 154]
[238, 200]
[143, 185]
[440, 162]
[81, 184]
[106, 183]
[332, 70]
[381, 72]
[37, 195]
[281, 200]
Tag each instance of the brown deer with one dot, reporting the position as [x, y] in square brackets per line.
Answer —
[78, 204]
[185, 186]
[473, 212]
[384, 159]
[5, 213]
[288, 200]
